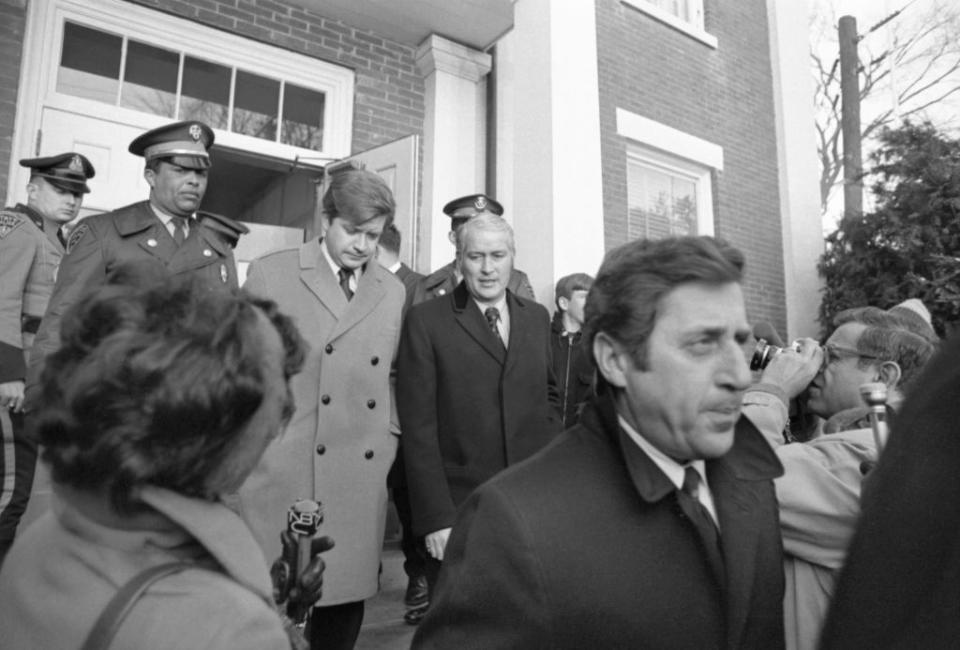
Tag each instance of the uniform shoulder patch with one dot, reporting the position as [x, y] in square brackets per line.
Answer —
[76, 235]
[10, 221]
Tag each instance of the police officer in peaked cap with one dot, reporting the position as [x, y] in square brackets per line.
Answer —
[447, 277]
[31, 246]
[165, 230]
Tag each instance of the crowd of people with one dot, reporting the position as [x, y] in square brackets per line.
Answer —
[613, 477]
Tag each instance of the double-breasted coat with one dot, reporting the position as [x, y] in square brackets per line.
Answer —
[340, 443]
[586, 545]
[468, 408]
[132, 234]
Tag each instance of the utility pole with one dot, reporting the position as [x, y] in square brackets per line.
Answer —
[850, 118]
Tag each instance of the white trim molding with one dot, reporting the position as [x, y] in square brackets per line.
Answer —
[670, 140]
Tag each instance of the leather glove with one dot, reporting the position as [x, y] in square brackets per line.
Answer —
[299, 592]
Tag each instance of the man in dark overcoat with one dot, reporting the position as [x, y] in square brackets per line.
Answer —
[165, 230]
[653, 522]
[475, 387]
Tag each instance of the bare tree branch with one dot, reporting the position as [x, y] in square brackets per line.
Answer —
[909, 63]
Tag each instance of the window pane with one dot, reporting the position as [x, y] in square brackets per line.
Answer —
[89, 64]
[302, 117]
[150, 79]
[205, 93]
[683, 209]
[660, 203]
[255, 106]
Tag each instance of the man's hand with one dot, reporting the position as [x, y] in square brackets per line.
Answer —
[11, 395]
[793, 370]
[298, 592]
[437, 543]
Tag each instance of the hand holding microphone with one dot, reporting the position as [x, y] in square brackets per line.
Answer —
[297, 574]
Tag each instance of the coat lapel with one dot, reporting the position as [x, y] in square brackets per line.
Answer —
[468, 316]
[520, 331]
[202, 247]
[369, 294]
[315, 273]
[735, 481]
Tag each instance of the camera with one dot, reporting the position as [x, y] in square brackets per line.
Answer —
[764, 352]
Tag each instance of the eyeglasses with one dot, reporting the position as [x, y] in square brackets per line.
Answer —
[833, 353]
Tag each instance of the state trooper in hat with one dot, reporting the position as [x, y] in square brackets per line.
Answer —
[447, 277]
[31, 246]
[165, 230]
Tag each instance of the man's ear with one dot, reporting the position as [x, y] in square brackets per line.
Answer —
[563, 304]
[452, 236]
[613, 362]
[150, 176]
[32, 189]
[890, 374]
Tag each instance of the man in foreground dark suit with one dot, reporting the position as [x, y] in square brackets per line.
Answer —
[475, 388]
[652, 523]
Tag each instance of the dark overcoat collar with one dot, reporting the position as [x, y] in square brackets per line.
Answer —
[736, 484]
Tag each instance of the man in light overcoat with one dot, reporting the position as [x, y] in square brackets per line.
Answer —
[340, 443]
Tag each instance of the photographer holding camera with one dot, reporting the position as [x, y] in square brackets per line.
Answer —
[819, 493]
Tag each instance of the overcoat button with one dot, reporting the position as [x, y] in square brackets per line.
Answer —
[374, 361]
[368, 454]
[328, 349]
[371, 403]
[321, 450]
[325, 399]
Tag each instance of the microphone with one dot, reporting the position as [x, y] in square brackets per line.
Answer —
[764, 330]
[303, 521]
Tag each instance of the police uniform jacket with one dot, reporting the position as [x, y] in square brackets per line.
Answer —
[30, 252]
[339, 444]
[444, 280]
[586, 545]
[468, 408]
[100, 243]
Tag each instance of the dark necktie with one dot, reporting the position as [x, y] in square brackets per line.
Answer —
[345, 275]
[702, 520]
[179, 226]
[492, 315]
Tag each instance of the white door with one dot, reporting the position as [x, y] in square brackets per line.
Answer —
[398, 163]
[119, 178]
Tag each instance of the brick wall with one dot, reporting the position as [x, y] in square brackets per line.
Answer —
[388, 93]
[722, 95]
[12, 22]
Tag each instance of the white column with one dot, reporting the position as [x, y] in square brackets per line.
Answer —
[454, 131]
[548, 140]
[796, 152]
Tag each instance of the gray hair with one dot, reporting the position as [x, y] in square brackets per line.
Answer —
[486, 223]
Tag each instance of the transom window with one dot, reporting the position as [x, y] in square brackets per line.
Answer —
[125, 72]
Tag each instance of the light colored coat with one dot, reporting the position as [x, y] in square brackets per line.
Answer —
[63, 571]
[339, 445]
[819, 500]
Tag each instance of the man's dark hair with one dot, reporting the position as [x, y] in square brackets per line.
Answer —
[358, 196]
[390, 239]
[634, 278]
[891, 336]
[570, 283]
[154, 383]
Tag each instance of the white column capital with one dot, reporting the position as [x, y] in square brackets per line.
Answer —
[438, 54]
